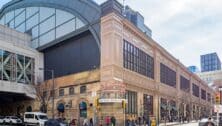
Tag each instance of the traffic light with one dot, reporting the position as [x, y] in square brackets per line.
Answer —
[96, 102]
[217, 98]
[123, 104]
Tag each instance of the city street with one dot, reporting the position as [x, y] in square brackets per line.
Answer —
[184, 124]
[188, 124]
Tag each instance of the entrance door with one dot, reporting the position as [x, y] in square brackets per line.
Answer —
[83, 109]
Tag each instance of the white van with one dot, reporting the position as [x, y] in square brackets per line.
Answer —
[35, 118]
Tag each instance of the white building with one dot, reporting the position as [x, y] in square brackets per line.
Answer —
[19, 70]
[210, 76]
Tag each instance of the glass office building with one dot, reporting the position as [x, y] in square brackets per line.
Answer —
[193, 69]
[138, 20]
[210, 62]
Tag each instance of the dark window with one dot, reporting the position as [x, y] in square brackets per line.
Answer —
[184, 84]
[203, 94]
[137, 60]
[83, 89]
[29, 116]
[61, 92]
[196, 91]
[167, 75]
[208, 97]
[71, 91]
[131, 107]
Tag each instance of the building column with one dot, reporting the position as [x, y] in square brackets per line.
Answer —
[178, 91]
[156, 106]
[111, 76]
[156, 97]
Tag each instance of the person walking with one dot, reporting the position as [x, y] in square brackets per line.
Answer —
[113, 121]
[91, 122]
[107, 120]
[139, 121]
[85, 122]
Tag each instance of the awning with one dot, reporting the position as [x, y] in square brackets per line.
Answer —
[61, 107]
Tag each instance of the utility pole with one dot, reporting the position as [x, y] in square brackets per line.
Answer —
[53, 94]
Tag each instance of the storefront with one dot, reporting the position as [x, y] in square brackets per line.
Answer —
[163, 109]
[173, 111]
[148, 105]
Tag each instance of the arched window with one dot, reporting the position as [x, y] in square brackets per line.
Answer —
[83, 89]
[83, 109]
[61, 107]
[42, 23]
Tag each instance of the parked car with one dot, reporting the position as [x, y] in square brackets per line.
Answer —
[206, 121]
[12, 120]
[1, 119]
[55, 122]
[35, 118]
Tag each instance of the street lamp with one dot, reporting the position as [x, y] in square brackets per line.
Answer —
[220, 91]
[53, 88]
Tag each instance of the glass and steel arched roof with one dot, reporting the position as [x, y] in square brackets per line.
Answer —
[49, 20]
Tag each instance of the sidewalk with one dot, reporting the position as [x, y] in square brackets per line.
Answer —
[169, 124]
[175, 123]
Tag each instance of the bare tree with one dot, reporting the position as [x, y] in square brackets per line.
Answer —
[43, 93]
[185, 99]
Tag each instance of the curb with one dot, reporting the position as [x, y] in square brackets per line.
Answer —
[176, 123]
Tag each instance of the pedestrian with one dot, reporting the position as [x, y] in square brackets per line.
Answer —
[209, 123]
[85, 122]
[113, 121]
[91, 122]
[139, 120]
[73, 123]
[144, 121]
[127, 122]
[148, 121]
[107, 119]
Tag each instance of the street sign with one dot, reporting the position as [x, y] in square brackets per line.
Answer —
[218, 108]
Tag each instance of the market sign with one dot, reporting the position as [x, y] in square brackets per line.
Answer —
[218, 108]
[112, 100]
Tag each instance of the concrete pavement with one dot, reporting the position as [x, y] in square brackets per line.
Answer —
[192, 123]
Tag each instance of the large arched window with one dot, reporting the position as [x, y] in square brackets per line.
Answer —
[42, 23]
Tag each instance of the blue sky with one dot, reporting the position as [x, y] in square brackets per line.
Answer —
[186, 28]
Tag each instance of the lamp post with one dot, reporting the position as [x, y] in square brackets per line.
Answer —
[53, 88]
[220, 91]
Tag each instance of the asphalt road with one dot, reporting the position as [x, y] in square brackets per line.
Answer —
[188, 124]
